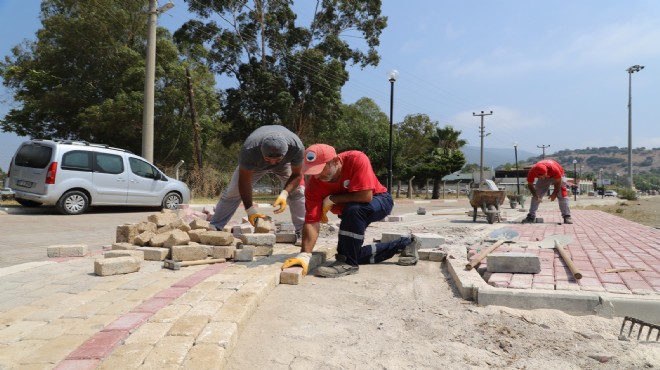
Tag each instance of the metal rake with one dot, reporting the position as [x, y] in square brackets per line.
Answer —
[642, 325]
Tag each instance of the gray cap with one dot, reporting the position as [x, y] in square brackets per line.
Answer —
[274, 146]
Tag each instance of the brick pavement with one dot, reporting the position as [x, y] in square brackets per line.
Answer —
[600, 241]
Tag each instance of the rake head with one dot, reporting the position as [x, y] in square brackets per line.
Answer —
[642, 326]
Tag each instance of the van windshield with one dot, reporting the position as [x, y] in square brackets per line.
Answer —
[33, 156]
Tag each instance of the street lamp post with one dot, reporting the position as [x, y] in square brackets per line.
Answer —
[150, 80]
[391, 76]
[630, 70]
[575, 179]
[601, 183]
[515, 150]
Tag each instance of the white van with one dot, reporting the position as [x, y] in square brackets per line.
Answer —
[73, 175]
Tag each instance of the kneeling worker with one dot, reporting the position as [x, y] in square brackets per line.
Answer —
[346, 185]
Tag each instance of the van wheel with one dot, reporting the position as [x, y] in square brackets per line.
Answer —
[27, 203]
[73, 203]
[172, 200]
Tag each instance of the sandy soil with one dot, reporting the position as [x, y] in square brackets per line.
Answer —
[393, 317]
[645, 210]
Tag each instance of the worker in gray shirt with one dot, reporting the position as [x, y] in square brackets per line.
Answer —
[269, 149]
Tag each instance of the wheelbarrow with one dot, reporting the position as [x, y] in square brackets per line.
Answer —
[515, 199]
[489, 201]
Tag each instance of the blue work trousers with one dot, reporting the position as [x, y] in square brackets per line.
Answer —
[354, 221]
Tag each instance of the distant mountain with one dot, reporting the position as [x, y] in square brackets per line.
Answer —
[495, 157]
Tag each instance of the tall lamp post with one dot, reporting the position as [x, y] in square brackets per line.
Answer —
[575, 179]
[515, 150]
[601, 183]
[150, 80]
[630, 70]
[391, 76]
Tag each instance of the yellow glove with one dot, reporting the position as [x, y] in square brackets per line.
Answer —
[281, 201]
[327, 206]
[253, 215]
[302, 259]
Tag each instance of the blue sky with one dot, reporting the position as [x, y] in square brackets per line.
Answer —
[552, 72]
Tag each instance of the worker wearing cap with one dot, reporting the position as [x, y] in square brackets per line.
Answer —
[346, 185]
[269, 149]
[547, 172]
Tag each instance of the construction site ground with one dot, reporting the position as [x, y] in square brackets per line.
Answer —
[55, 313]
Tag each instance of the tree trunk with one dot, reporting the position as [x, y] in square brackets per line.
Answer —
[398, 189]
[410, 187]
[436, 189]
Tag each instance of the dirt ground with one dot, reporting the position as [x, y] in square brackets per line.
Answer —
[645, 210]
[394, 317]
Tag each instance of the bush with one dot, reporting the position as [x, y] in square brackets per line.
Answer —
[627, 194]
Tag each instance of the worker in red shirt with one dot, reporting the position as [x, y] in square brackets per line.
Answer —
[547, 172]
[346, 185]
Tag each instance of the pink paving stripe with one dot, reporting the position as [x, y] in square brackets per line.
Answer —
[90, 354]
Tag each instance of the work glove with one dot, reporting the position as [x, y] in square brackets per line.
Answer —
[302, 259]
[253, 215]
[327, 206]
[281, 201]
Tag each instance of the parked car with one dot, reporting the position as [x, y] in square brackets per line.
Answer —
[610, 193]
[74, 175]
[6, 193]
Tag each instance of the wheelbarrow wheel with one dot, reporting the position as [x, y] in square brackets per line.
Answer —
[491, 214]
[474, 214]
[513, 205]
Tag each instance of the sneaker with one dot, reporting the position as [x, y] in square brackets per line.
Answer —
[568, 220]
[337, 269]
[298, 238]
[529, 220]
[410, 254]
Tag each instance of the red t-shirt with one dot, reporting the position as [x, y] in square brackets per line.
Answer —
[553, 168]
[356, 175]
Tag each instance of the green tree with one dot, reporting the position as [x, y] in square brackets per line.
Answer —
[83, 79]
[286, 73]
[446, 158]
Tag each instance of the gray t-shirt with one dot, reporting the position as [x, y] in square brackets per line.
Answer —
[251, 157]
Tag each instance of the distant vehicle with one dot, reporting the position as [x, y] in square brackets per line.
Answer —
[6, 193]
[74, 175]
[611, 193]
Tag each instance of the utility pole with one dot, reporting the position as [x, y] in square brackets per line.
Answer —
[543, 147]
[197, 151]
[481, 135]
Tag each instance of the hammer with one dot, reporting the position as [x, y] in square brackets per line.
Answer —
[176, 265]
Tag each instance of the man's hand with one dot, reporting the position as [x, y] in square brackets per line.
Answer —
[253, 215]
[327, 206]
[302, 259]
[281, 201]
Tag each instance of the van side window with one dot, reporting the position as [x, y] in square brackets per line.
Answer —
[77, 160]
[109, 163]
[142, 168]
[33, 156]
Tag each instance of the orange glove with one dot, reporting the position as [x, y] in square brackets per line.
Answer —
[253, 215]
[327, 206]
[281, 201]
[302, 259]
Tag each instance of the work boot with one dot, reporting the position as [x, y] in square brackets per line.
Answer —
[529, 220]
[410, 254]
[298, 238]
[337, 269]
[568, 220]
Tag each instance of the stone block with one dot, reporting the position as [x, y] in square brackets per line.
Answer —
[154, 254]
[216, 238]
[429, 240]
[177, 237]
[198, 224]
[263, 225]
[73, 250]
[243, 255]
[123, 246]
[259, 250]
[514, 262]
[424, 253]
[437, 255]
[158, 240]
[116, 266]
[237, 230]
[126, 233]
[395, 219]
[189, 252]
[388, 237]
[144, 238]
[164, 218]
[194, 234]
[184, 227]
[138, 255]
[146, 226]
[226, 252]
[286, 227]
[293, 275]
[258, 239]
[285, 238]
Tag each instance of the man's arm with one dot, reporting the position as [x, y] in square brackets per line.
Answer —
[245, 186]
[532, 190]
[310, 235]
[557, 188]
[362, 196]
[294, 180]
